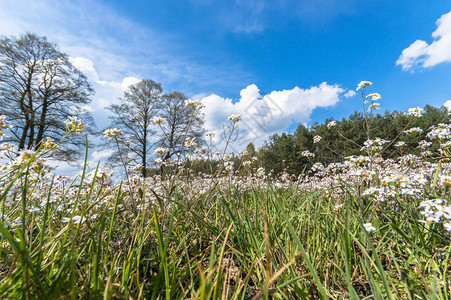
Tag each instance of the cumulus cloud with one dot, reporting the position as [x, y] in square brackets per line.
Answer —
[420, 53]
[107, 92]
[447, 104]
[86, 66]
[262, 116]
[101, 154]
[349, 94]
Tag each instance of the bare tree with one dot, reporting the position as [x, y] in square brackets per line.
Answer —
[181, 122]
[134, 115]
[39, 90]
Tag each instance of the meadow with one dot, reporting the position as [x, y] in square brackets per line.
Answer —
[366, 227]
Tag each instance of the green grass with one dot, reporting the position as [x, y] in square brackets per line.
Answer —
[226, 244]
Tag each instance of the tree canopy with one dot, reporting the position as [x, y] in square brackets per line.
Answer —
[149, 119]
[181, 122]
[39, 90]
[134, 115]
[283, 152]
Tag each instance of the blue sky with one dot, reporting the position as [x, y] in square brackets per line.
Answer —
[231, 53]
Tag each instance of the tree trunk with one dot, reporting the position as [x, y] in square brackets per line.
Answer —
[23, 138]
[25, 111]
[144, 153]
[32, 120]
[31, 136]
[42, 123]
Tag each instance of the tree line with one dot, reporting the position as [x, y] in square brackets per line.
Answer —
[284, 152]
[346, 139]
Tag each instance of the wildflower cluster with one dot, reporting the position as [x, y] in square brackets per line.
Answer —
[210, 134]
[316, 139]
[424, 144]
[73, 124]
[194, 104]
[374, 145]
[409, 178]
[358, 159]
[401, 144]
[158, 120]
[190, 143]
[235, 118]
[440, 132]
[317, 167]
[436, 210]
[374, 96]
[331, 124]
[3, 126]
[373, 106]
[161, 151]
[417, 130]
[50, 144]
[363, 84]
[307, 154]
[416, 112]
[228, 165]
[113, 132]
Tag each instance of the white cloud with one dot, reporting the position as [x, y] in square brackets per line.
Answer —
[101, 155]
[349, 94]
[122, 85]
[107, 92]
[86, 66]
[63, 167]
[264, 116]
[447, 104]
[420, 53]
[75, 110]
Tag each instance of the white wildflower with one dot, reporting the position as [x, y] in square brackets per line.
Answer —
[113, 132]
[416, 112]
[369, 227]
[363, 84]
[158, 120]
[331, 124]
[235, 118]
[374, 96]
